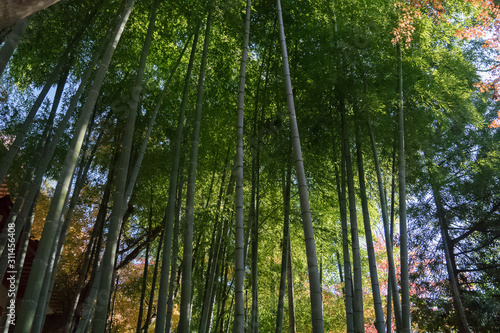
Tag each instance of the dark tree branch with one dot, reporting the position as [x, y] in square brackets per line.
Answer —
[481, 225]
[12, 11]
[132, 255]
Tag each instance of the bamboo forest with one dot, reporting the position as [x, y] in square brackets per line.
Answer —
[249, 166]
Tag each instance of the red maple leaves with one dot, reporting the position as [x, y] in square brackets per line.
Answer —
[486, 26]
[411, 10]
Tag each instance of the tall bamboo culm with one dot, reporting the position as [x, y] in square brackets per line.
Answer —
[377, 301]
[239, 306]
[172, 194]
[388, 238]
[115, 224]
[185, 308]
[312, 262]
[405, 282]
[30, 301]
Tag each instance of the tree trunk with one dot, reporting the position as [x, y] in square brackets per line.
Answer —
[175, 249]
[112, 305]
[9, 156]
[284, 256]
[239, 308]
[356, 256]
[62, 230]
[135, 170]
[134, 102]
[40, 262]
[291, 298]
[170, 211]
[20, 258]
[225, 289]
[145, 274]
[388, 239]
[222, 295]
[341, 189]
[79, 183]
[93, 245]
[312, 263]
[254, 218]
[89, 302]
[220, 227]
[463, 326]
[230, 312]
[12, 10]
[377, 301]
[13, 39]
[212, 266]
[392, 284]
[153, 285]
[26, 197]
[44, 298]
[115, 224]
[405, 282]
[254, 227]
[206, 296]
[185, 309]
[18, 214]
[339, 266]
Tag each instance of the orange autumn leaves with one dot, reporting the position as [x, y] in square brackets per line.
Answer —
[486, 27]
[496, 123]
[411, 10]
[486, 17]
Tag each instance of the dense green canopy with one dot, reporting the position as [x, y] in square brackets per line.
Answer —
[93, 111]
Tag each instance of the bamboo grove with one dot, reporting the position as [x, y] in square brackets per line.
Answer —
[216, 166]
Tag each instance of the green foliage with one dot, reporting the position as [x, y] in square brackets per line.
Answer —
[340, 52]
